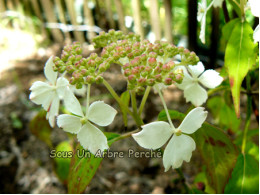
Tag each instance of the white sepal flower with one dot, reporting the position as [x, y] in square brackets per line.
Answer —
[180, 146]
[48, 94]
[254, 5]
[191, 84]
[89, 136]
[201, 17]
[256, 34]
[217, 3]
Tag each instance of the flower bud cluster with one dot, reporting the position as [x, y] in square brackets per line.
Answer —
[83, 70]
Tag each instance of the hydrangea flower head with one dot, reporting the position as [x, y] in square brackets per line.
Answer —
[194, 78]
[89, 136]
[154, 135]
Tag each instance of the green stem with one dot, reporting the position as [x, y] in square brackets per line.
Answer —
[146, 93]
[248, 113]
[165, 108]
[136, 117]
[88, 97]
[133, 101]
[242, 8]
[126, 135]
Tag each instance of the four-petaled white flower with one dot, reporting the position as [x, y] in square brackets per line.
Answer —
[180, 146]
[89, 136]
[48, 94]
[191, 83]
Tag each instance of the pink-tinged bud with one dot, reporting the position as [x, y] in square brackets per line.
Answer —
[171, 64]
[140, 90]
[70, 69]
[142, 68]
[93, 56]
[56, 59]
[136, 45]
[168, 81]
[152, 62]
[160, 52]
[102, 67]
[76, 75]
[84, 72]
[178, 75]
[134, 62]
[181, 49]
[127, 65]
[90, 79]
[132, 78]
[67, 48]
[141, 81]
[146, 42]
[148, 69]
[158, 78]
[99, 80]
[128, 49]
[77, 64]
[78, 57]
[130, 55]
[127, 72]
[136, 70]
[186, 51]
[72, 81]
[91, 63]
[119, 48]
[144, 57]
[78, 50]
[150, 82]
[98, 60]
[111, 31]
[166, 68]
[104, 53]
[102, 33]
[71, 59]
[153, 55]
[158, 69]
[116, 56]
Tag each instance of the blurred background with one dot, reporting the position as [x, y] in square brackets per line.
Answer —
[33, 30]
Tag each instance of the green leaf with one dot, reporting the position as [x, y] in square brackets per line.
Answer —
[216, 149]
[245, 177]
[235, 6]
[252, 149]
[40, 127]
[63, 155]
[125, 97]
[223, 113]
[239, 58]
[229, 27]
[84, 166]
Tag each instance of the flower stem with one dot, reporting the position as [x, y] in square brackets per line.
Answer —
[248, 113]
[133, 101]
[147, 91]
[88, 96]
[136, 117]
[165, 108]
[126, 135]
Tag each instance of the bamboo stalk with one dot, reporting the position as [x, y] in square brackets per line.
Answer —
[48, 9]
[62, 18]
[112, 24]
[168, 20]
[89, 20]
[137, 18]
[73, 18]
[121, 16]
[155, 18]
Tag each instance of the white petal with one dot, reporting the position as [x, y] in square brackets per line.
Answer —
[193, 121]
[40, 86]
[178, 149]
[196, 70]
[217, 3]
[100, 113]
[69, 123]
[54, 110]
[256, 34]
[187, 79]
[255, 5]
[62, 85]
[210, 79]
[71, 103]
[195, 94]
[153, 135]
[203, 28]
[43, 99]
[49, 72]
[91, 138]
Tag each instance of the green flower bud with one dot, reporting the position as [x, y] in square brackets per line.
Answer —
[79, 85]
[167, 81]
[90, 79]
[140, 90]
[99, 79]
